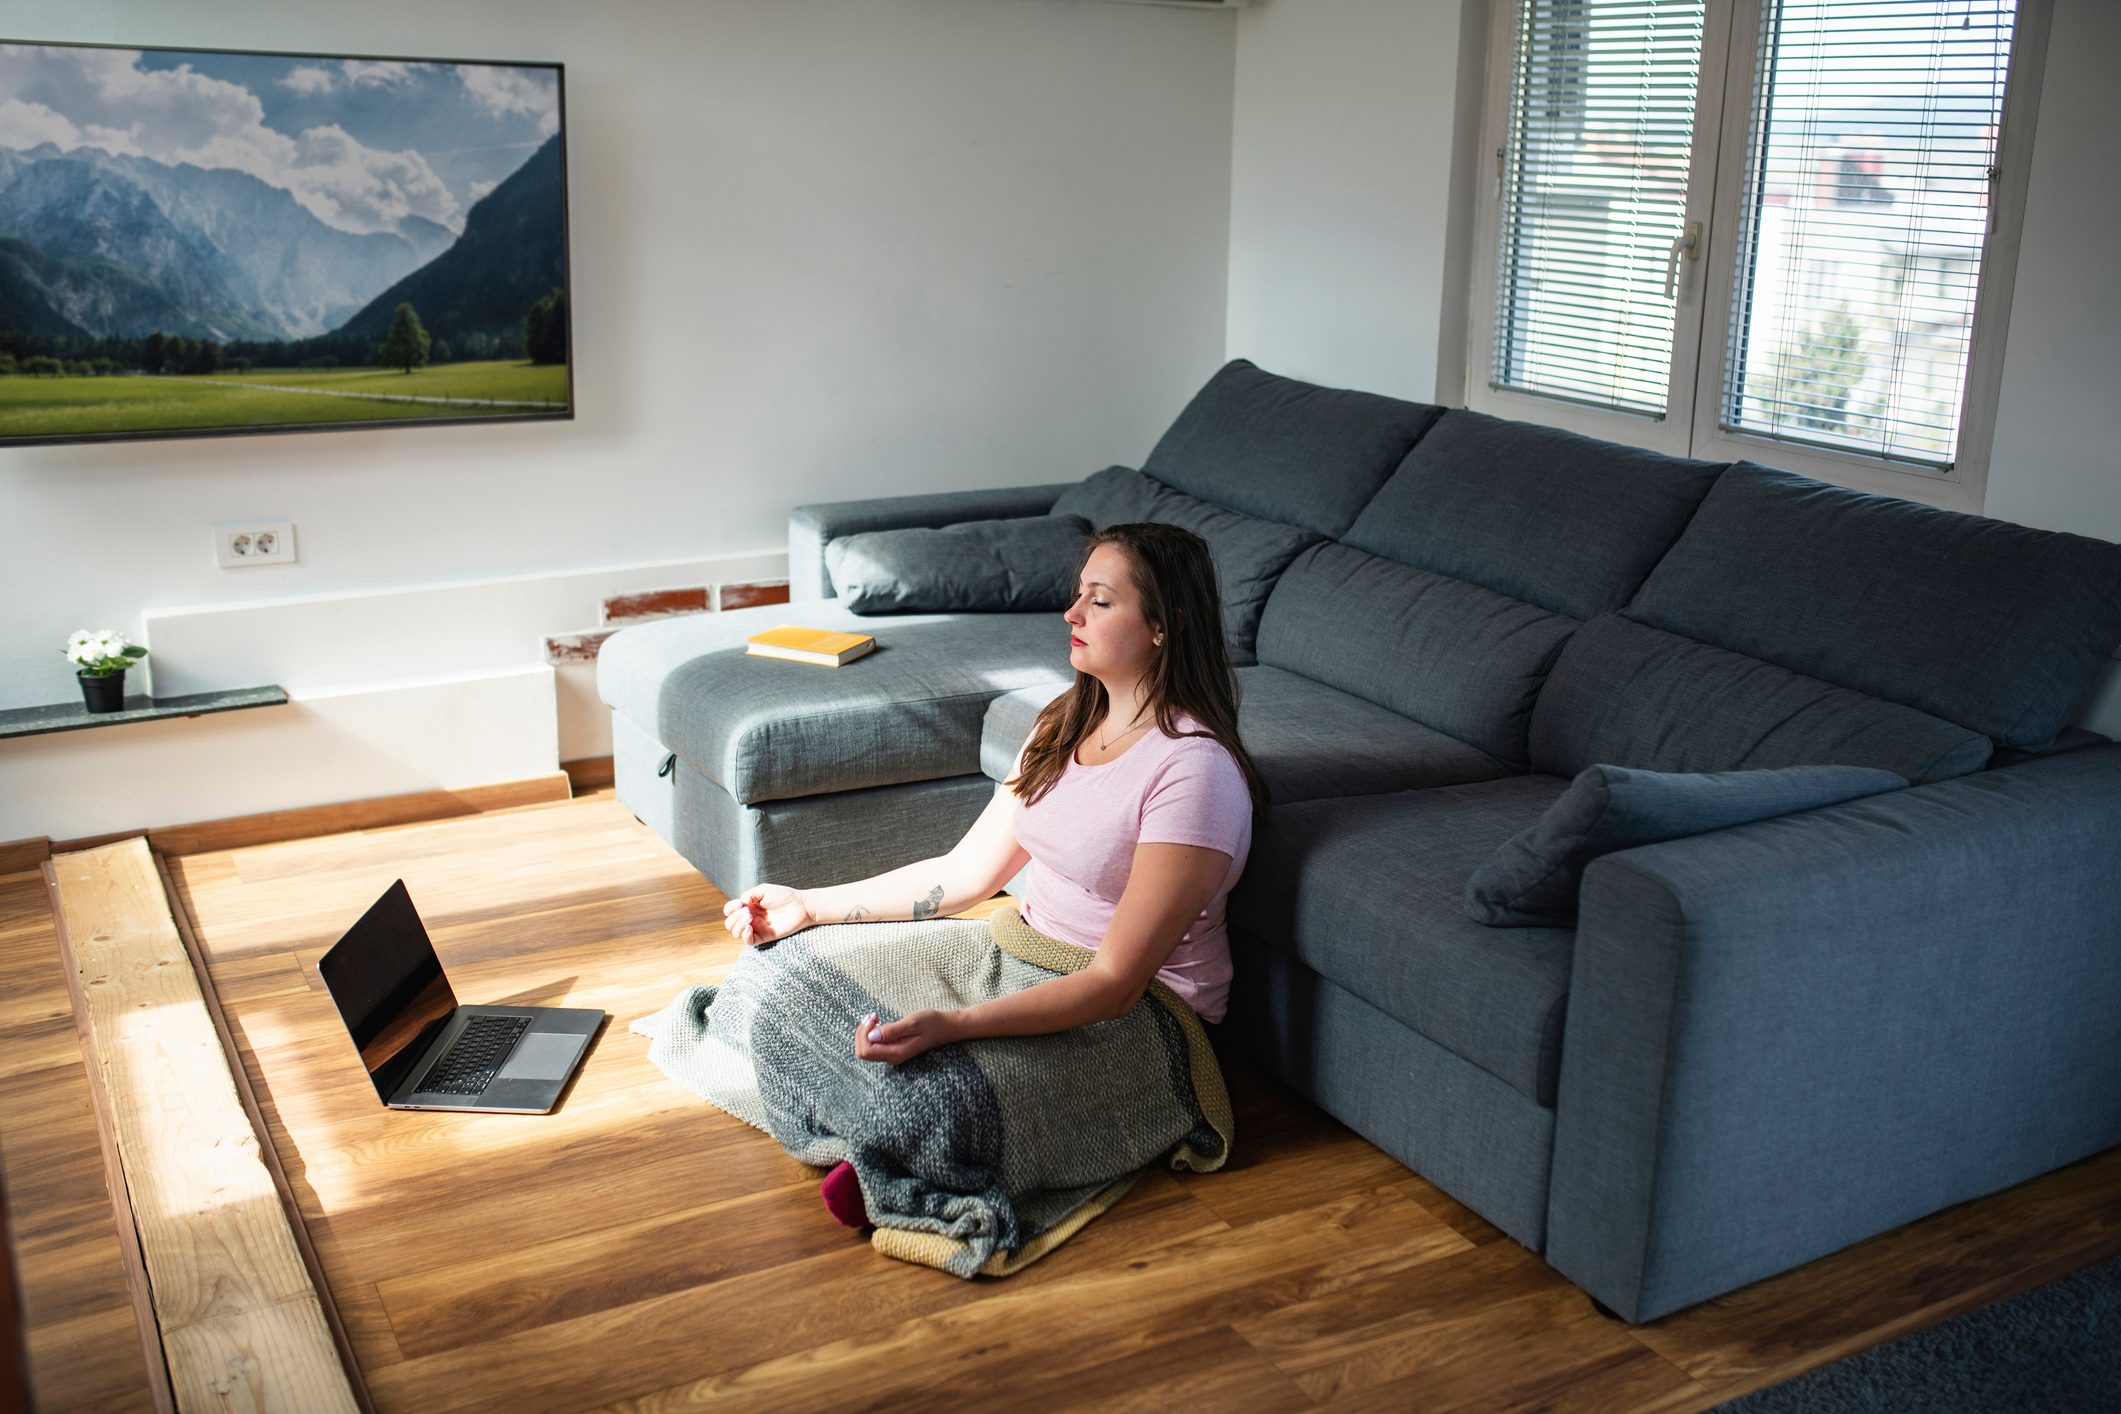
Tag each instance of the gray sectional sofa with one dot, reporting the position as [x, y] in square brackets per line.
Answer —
[1755, 1045]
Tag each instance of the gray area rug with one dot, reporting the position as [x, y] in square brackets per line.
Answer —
[2054, 1348]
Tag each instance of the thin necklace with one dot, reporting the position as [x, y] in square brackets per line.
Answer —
[1103, 745]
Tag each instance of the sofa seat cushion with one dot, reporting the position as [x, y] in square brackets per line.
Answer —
[1991, 625]
[1285, 450]
[1365, 892]
[1456, 657]
[1007, 726]
[1308, 740]
[1250, 553]
[1624, 694]
[766, 729]
[1569, 523]
[1312, 742]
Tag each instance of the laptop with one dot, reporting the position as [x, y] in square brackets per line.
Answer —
[422, 1050]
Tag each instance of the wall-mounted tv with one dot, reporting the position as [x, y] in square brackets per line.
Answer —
[200, 243]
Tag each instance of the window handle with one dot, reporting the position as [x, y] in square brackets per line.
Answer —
[1688, 240]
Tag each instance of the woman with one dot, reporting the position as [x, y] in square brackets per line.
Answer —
[1132, 801]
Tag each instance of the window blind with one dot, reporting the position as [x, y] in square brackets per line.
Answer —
[1872, 163]
[1594, 177]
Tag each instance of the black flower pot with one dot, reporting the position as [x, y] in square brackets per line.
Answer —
[105, 693]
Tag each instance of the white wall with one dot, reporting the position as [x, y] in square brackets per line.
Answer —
[2057, 460]
[1341, 259]
[821, 248]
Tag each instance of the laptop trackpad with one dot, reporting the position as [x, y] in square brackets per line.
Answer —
[543, 1055]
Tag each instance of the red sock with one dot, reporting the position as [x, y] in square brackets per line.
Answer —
[843, 1197]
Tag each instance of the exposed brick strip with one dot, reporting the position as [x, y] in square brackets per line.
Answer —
[655, 604]
[622, 610]
[576, 647]
[757, 591]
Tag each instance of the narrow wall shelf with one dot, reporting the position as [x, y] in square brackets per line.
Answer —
[73, 716]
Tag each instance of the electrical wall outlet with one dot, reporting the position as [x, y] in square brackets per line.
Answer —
[254, 542]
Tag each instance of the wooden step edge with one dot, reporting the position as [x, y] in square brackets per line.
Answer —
[306, 822]
[114, 1184]
[245, 1092]
[118, 935]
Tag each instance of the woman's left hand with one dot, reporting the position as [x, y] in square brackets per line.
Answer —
[896, 1042]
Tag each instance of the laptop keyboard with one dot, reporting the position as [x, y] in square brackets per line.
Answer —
[475, 1056]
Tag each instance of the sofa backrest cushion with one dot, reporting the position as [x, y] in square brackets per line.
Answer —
[1625, 694]
[1250, 553]
[1997, 627]
[1114, 496]
[1285, 450]
[1453, 656]
[1568, 523]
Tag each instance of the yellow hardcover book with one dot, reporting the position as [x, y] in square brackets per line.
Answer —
[809, 645]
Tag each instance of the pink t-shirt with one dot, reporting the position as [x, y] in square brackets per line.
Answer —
[1081, 837]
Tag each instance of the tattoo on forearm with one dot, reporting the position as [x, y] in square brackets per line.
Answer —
[856, 914]
[929, 906]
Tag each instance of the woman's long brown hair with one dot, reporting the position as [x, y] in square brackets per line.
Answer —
[1174, 573]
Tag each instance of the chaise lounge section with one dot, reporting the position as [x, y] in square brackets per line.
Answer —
[1750, 1046]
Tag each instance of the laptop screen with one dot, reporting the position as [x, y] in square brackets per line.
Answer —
[389, 988]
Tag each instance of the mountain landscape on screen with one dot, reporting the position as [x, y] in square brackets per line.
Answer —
[510, 256]
[132, 245]
[200, 242]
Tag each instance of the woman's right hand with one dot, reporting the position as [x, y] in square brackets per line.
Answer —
[766, 913]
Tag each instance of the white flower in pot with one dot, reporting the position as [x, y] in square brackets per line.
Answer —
[102, 653]
[100, 660]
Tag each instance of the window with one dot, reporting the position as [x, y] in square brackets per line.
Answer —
[1592, 177]
[1776, 229]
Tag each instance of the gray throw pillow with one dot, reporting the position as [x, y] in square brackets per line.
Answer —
[1532, 880]
[979, 565]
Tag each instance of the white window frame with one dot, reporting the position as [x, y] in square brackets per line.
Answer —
[1703, 306]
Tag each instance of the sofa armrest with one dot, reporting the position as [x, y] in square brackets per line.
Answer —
[1785, 1037]
[812, 527]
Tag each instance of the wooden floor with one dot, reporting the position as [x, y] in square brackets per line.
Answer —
[638, 1250]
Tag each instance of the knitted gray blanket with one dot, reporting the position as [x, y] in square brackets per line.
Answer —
[979, 1157]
